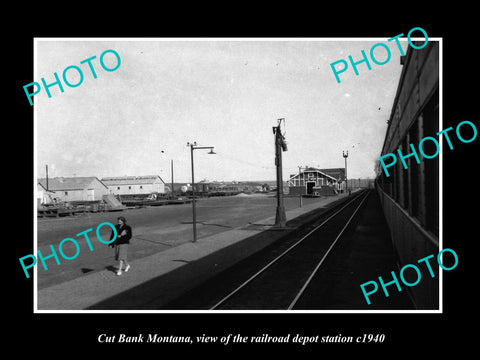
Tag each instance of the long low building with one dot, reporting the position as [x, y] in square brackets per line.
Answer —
[135, 185]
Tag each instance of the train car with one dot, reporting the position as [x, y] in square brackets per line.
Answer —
[410, 197]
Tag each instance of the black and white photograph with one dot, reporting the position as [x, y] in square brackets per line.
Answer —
[231, 165]
[226, 191]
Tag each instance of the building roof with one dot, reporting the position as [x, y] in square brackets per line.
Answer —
[312, 169]
[131, 180]
[40, 187]
[337, 173]
[68, 183]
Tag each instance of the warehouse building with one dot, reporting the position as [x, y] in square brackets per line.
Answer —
[88, 188]
[135, 185]
[44, 196]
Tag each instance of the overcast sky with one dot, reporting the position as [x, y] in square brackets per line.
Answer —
[227, 94]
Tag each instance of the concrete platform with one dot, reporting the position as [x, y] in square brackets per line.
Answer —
[157, 279]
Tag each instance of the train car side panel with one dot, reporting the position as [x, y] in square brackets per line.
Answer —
[410, 197]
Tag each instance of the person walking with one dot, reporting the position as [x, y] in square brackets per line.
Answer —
[124, 234]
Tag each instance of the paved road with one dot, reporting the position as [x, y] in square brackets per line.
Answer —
[154, 229]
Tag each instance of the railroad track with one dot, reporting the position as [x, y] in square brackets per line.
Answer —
[280, 284]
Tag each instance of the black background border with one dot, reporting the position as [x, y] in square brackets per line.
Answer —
[413, 333]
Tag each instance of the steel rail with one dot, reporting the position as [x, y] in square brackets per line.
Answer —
[305, 285]
[262, 270]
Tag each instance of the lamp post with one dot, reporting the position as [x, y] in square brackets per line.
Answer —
[193, 146]
[345, 155]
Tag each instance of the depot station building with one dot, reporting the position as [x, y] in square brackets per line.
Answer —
[317, 182]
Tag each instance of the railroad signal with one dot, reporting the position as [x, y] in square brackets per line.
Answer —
[345, 155]
[280, 145]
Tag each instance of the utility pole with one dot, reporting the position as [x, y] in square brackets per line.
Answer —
[280, 145]
[46, 174]
[171, 168]
[173, 191]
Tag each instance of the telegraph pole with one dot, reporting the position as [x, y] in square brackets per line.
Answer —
[46, 173]
[171, 168]
[173, 191]
[280, 145]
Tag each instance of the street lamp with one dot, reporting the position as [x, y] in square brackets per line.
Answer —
[345, 155]
[193, 146]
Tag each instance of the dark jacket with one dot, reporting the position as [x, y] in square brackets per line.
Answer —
[125, 239]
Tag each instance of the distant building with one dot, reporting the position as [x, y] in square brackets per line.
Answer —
[125, 185]
[44, 196]
[72, 188]
[353, 183]
[229, 187]
[337, 173]
[313, 181]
